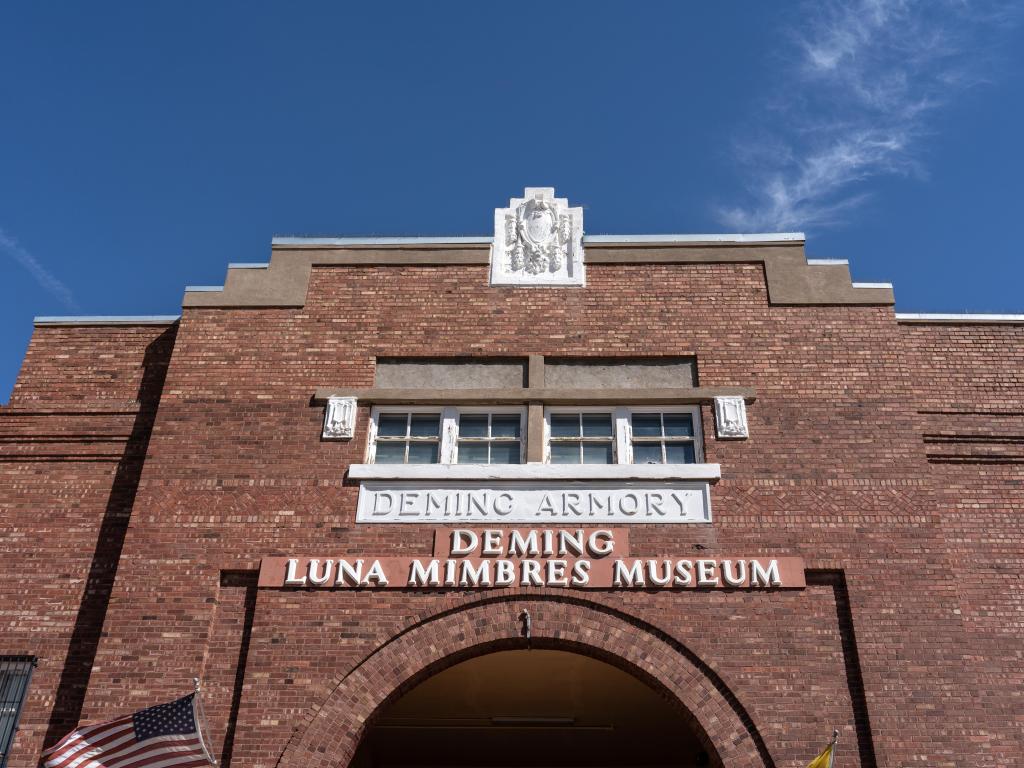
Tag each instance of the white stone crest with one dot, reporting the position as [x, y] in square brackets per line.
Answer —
[731, 417]
[538, 240]
[340, 418]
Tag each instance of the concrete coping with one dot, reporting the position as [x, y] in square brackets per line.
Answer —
[765, 237]
[546, 395]
[955, 318]
[106, 320]
[791, 278]
[535, 472]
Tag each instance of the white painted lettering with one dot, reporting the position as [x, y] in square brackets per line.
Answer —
[530, 576]
[463, 542]
[734, 577]
[348, 574]
[492, 545]
[420, 576]
[570, 543]
[765, 577]
[480, 576]
[601, 543]
[633, 576]
[375, 576]
[319, 579]
[556, 573]
[659, 572]
[684, 573]
[706, 576]
[504, 573]
[523, 546]
[580, 573]
[291, 577]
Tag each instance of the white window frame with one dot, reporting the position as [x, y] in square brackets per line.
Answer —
[698, 431]
[448, 452]
[493, 411]
[610, 409]
[425, 410]
[622, 427]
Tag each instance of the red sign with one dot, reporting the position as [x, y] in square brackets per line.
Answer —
[576, 558]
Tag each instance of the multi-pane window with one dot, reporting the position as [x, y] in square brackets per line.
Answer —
[15, 673]
[446, 435]
[663, 438]
[581, 438]
[623, 435]
[490, 438]
[451, 434]
[408, 438]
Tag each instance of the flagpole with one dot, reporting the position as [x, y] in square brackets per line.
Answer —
[202, 724]
[835, 741]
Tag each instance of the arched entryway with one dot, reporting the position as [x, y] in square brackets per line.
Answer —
[535, 708]
[332, 730]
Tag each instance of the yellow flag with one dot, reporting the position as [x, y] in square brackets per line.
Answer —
[824, 760]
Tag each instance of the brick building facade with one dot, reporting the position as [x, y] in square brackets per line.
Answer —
[149, 465]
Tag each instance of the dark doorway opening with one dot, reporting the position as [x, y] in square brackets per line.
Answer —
[535, 709]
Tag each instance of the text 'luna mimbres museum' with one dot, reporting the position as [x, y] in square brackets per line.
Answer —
[532, 499]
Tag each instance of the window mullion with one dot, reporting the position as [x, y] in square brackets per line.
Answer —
[371, 439]
[449, 448]
[623, 436]
[698, 435]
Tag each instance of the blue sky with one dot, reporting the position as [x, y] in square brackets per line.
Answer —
[143, 146]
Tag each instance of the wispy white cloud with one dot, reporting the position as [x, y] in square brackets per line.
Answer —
[46, 279]
[859, 84]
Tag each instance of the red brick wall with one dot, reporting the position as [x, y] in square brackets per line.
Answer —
[72, 443]
[835, 471]
[971, 398]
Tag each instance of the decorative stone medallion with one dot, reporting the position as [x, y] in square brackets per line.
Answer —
[340, 418]
[731, 417]
[538, 240]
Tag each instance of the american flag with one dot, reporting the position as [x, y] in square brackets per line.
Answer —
[158, 737]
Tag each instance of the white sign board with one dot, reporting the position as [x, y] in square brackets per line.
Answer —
[441, 502]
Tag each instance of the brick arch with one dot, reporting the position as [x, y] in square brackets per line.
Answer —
[334, 730]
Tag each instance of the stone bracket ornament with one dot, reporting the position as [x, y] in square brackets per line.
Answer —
[340, 418]
[538, 240]
[731, 418]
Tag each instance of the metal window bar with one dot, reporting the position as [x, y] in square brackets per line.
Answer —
[15, 675]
